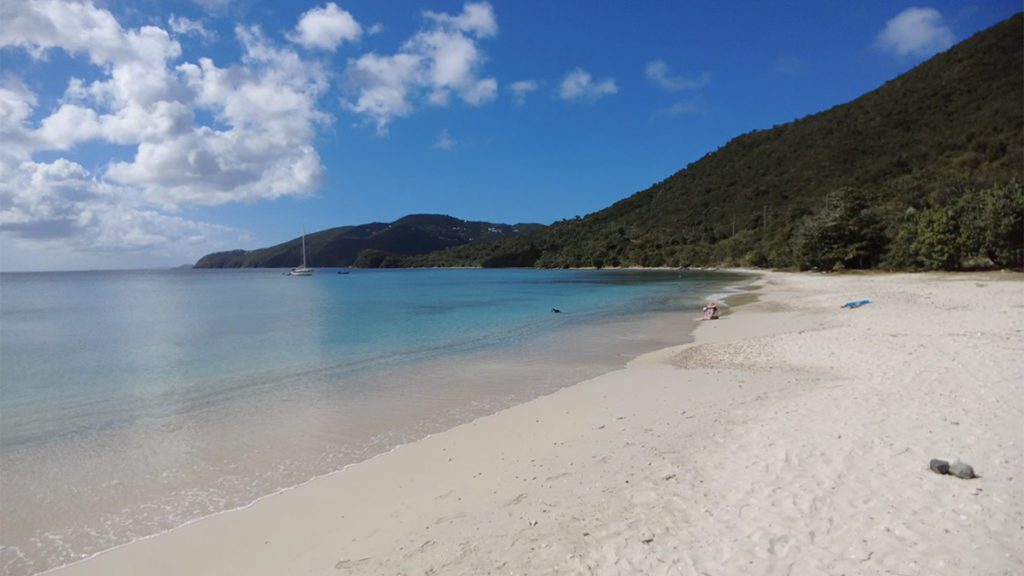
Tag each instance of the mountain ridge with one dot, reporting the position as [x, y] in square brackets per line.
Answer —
[924, 147]
[340, 246]
[922, 172]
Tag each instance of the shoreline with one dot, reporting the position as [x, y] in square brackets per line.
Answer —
[603, 344]
[646, 318]
[467, 500]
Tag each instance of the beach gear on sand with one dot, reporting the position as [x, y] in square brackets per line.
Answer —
[856, 304]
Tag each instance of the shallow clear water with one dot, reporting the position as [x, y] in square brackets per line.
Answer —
[132, 402]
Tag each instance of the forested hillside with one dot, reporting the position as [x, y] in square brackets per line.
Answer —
[924, 172]
[415, 234]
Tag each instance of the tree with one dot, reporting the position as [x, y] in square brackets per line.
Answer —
[846, 233]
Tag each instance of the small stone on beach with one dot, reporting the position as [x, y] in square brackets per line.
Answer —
[961, 470]
[939, 466]
[958, 469]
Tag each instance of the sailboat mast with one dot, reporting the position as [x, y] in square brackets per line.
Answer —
[303, 249]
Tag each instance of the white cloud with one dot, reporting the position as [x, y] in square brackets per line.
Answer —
[41, 25]
[916, 32]
[657, 72]
[269, 105]
[445, 141]
[579, 85]
[260, 146]
[521, 89]
[62, 202]
[437, 62]
[384, 83]
[16, 105]
[476, 18]
[375, 29]
[69, 125]
[326, 28]
[187, 27]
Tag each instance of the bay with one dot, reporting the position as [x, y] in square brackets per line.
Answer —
[132, 402]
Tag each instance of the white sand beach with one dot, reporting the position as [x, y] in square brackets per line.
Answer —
[793, 437]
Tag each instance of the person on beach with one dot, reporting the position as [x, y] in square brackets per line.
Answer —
[711, 311]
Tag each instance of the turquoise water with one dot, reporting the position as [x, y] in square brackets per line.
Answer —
[132, 402]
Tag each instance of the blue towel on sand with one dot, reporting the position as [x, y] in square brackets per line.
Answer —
[856, 304]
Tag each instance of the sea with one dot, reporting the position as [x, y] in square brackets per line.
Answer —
[134, 402]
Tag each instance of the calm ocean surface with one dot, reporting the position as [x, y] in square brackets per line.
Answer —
[133, 402]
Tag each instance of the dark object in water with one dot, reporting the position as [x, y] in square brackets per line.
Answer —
[939, 466]
[556, 311]
[856, 304]
[342, 271]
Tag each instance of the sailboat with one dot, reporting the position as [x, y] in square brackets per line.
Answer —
[302, 270]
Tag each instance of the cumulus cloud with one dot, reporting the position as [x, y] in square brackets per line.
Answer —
[521, 89]
[41, 25]
[16, 105]
[579, 85]
[325, 28]
[442, 60]
[476, 19]
[916, 32]
[268, 104]
[61, 201]
[260, 146]
[657, 72]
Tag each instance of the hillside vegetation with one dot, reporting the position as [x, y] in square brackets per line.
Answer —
[924, 172]
[416, 234]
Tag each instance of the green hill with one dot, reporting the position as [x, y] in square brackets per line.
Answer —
[923, 172]
[411, 235]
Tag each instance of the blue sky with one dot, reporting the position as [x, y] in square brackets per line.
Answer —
[148, 133]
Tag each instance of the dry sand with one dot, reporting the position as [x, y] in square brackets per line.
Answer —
[793, 437]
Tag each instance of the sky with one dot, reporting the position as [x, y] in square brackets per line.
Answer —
[147, 133]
